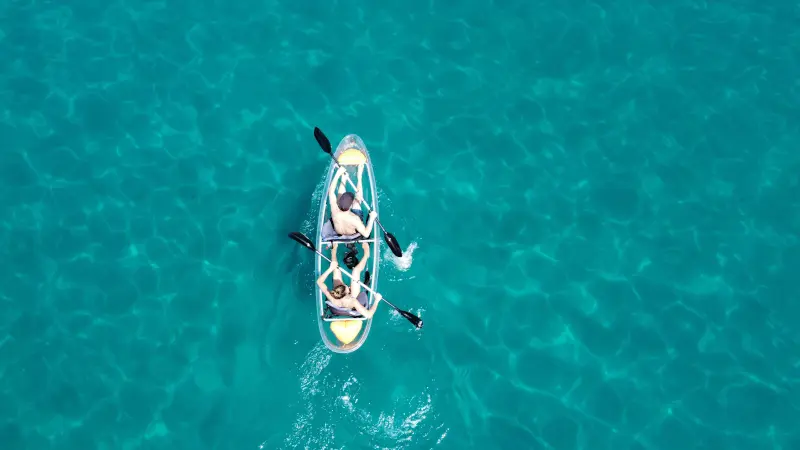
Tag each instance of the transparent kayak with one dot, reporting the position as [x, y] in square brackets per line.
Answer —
[345, 333]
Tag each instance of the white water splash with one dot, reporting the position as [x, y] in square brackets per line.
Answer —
[348, 400]
[411, 417]
[402, 263]
[392, 425]
[310, 377]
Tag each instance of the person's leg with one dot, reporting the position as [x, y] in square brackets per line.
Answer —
[343, 184]
[355, 286]
[337, 274]
[359, 187]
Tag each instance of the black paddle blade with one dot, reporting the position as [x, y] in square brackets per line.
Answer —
[322, 140]
[416, 321]
[302, 239]
[391, 241]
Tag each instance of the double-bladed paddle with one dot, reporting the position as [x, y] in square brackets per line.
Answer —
[391, 241]
[303, 240]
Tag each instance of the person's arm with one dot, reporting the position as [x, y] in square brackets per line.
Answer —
[366, 230]
[331, 268]
[332, 190]
[323, 277]
[368, 313]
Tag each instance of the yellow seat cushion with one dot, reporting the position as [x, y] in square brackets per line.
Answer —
[352, 157]
[346, 330]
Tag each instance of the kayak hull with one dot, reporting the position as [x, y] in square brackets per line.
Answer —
[344, 334]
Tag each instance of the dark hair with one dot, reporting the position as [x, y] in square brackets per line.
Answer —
[345, 201]
[339, 291]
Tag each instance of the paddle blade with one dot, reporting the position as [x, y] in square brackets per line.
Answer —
[391, 241]
[302, 239]
[322, 140]
[416, 321]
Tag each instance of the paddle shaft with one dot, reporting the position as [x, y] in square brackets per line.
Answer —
[359, 281]
[347, 177]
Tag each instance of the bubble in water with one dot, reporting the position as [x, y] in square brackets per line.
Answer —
[402, 263]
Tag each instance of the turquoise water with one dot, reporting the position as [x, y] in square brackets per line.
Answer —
[601, 197]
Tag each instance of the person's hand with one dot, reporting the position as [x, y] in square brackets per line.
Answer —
[335, 246]
[378, 297]
[359, 196]
[372, 214]
[341, 171]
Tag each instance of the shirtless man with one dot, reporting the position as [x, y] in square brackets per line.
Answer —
[345, 297]
[346, 209]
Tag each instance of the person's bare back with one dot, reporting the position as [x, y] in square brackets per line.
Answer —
[345, 221]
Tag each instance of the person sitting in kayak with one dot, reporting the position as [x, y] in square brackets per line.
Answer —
[346, 214]
[348, 297]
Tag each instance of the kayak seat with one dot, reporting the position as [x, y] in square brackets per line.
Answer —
[362, 298]
[329, 234]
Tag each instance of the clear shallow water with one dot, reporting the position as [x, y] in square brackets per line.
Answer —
[632, 169]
